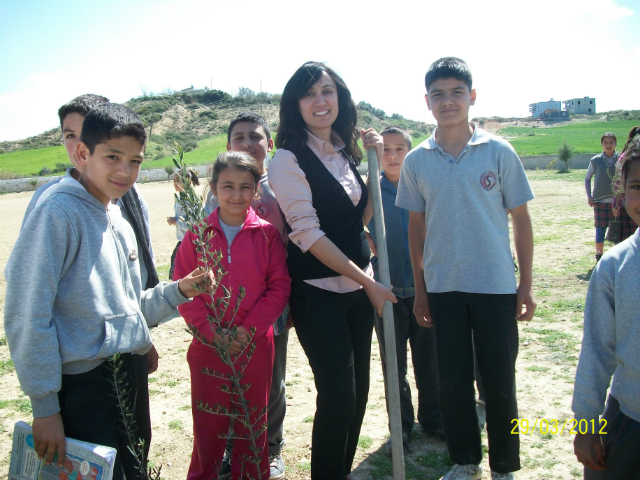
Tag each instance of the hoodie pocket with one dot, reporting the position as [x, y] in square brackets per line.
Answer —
[124, 333]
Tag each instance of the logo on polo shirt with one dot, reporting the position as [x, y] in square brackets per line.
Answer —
[262, 208]
[488, 180]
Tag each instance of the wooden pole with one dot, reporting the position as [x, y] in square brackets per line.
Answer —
[392, 384]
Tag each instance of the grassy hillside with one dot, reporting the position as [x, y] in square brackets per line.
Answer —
[198, 120]
[205, 153]
[27, 163]
[582, 137]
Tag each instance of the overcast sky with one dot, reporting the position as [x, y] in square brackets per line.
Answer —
[519, 52]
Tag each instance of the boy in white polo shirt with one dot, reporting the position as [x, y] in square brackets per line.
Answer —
[459, 186]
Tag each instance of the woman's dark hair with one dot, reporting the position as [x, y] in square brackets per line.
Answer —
[292, 134]
[239, 160]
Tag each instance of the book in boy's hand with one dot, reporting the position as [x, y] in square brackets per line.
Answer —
[83, 461]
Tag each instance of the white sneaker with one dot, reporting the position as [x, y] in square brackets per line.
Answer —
[464, 472]
[502, 476]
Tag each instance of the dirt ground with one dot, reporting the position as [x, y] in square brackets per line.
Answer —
[549, 347]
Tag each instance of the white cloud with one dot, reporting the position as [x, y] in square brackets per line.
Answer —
[636, 53]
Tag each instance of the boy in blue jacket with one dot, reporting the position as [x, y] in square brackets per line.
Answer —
[397, 143]
[77, 262]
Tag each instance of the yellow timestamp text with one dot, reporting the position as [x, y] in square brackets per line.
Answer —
[557, 427]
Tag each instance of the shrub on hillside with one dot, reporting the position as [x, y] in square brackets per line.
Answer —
[61, 167]
[44, 171]
[6, 175]
[151, 118]
[158, 105]
[369, 108]
[210, 114]
[213, 96]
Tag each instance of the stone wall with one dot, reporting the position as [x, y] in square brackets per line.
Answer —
[26, 184]
[580, 161]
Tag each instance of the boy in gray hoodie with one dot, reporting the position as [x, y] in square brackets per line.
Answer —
[76, 261]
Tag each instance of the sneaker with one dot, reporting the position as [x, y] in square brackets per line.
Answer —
[502, 476]
[276, 467]
[598, 257]
[464, 472]
[225, 467]
[405, 444]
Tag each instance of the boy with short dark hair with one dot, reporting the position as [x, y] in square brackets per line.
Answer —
[71, 116]
[397, 143]
[249, 132]
[76, 261]
[603, 167]
[460, 186]
[134, 210]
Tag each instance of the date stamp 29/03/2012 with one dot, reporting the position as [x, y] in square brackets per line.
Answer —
[557, 427]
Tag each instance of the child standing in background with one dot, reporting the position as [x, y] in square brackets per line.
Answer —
[397, 143]
[603, 167]
[254, 257]
[181, 226]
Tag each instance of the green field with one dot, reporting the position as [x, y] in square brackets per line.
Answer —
[206, 153]
[24, 163]
[582, 137]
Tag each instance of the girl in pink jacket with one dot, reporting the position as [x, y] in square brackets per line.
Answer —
[254, 257]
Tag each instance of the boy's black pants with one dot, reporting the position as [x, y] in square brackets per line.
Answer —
[491, 319]
[335, 331]
[89, 410]
[425, 366]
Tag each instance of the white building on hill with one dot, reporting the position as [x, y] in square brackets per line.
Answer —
[542, 109]
[585, 105]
